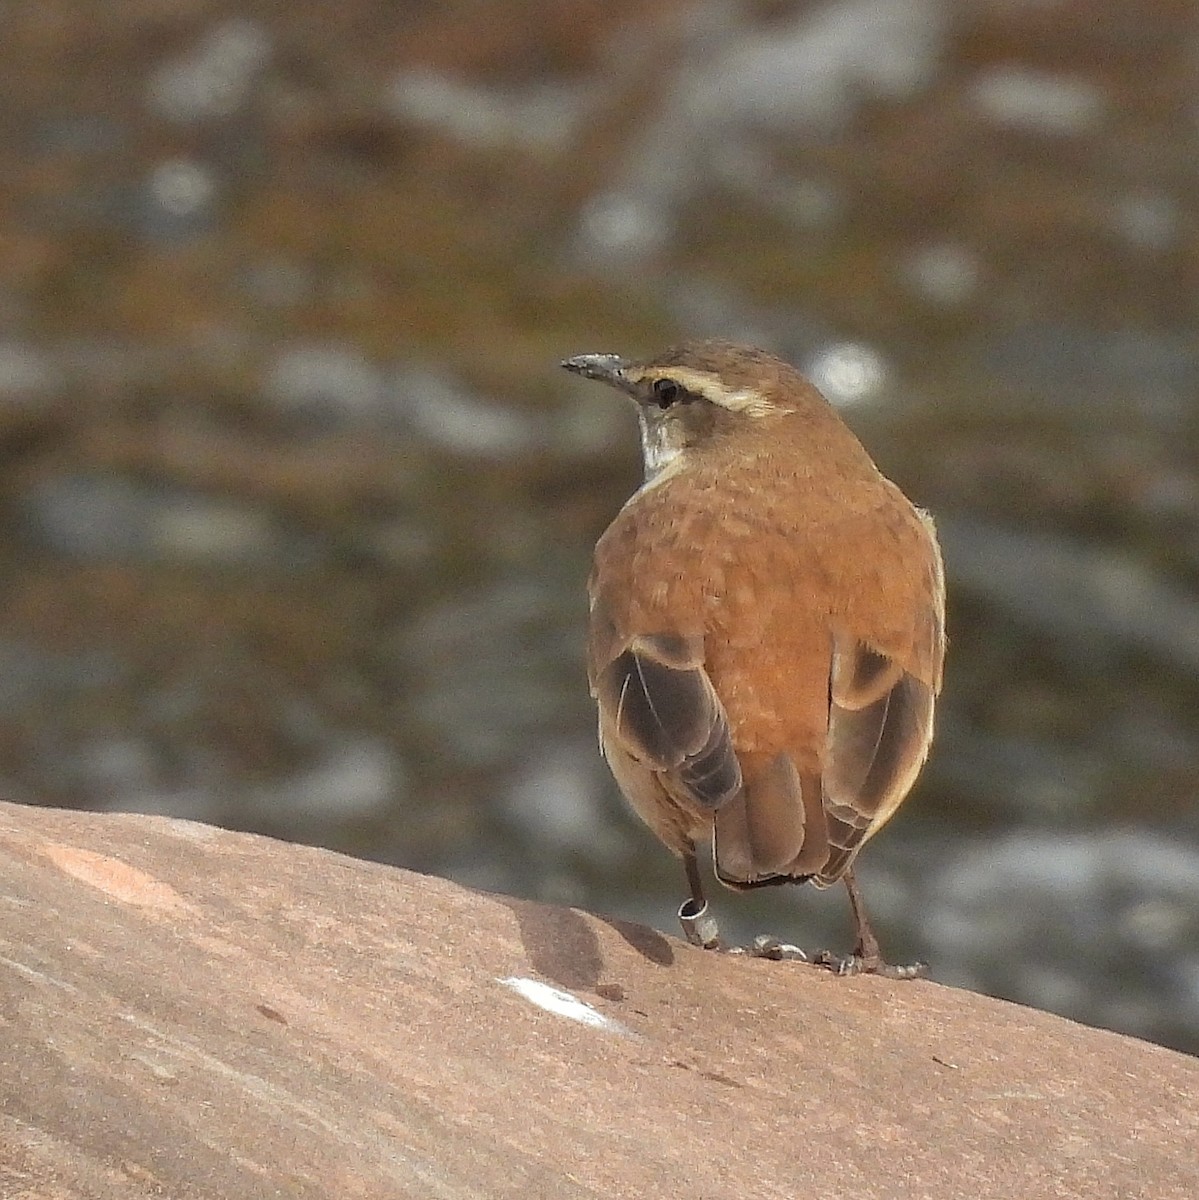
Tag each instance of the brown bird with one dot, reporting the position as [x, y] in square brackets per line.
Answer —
[766, 632]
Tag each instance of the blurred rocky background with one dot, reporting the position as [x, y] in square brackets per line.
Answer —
[297, 508]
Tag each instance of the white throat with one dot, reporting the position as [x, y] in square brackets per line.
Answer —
[661, 444]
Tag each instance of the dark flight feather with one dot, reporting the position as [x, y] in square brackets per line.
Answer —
[874, 750]
[658, 702]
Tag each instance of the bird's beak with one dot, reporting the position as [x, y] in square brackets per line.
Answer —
[607, 368]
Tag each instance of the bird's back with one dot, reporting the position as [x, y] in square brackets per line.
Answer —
[772, 579]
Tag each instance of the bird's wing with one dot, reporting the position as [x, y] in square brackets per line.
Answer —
[880, 727]
[658, 707]
[883, 680]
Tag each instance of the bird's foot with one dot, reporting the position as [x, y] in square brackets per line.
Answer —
[700, 929]
[766, 945]
[867, 964]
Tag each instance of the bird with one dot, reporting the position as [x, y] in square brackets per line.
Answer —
[766, 632]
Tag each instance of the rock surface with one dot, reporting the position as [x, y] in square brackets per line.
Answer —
[194, 1013]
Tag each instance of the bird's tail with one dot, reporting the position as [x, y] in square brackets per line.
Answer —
[774, 829]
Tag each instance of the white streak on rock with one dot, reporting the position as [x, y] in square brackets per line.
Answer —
[561, 1004]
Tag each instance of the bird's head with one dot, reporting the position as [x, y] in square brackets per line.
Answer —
[701, 394]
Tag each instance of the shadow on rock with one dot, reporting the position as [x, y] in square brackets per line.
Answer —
[562, 944]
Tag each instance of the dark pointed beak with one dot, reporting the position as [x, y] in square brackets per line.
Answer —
[607, 368]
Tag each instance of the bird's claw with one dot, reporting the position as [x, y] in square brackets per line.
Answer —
[765, 945]
[861, 964]
[700, 929]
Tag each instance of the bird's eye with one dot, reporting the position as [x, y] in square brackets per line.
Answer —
[666, 392]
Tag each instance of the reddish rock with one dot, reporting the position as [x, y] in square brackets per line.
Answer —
[194, 1013]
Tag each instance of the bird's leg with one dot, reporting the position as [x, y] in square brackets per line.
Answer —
[699, 926]
[866, 958]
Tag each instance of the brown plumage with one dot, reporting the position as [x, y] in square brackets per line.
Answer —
[767, 617]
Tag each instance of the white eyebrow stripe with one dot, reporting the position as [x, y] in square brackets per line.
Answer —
[746, 400]
[751, 402]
